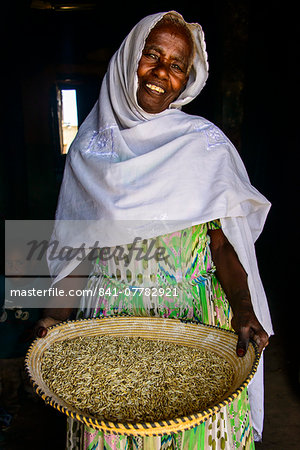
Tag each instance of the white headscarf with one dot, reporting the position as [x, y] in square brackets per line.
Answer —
[130, 173]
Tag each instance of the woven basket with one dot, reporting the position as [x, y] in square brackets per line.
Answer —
[204, 337]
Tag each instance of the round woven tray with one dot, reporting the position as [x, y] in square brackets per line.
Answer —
[205, 337]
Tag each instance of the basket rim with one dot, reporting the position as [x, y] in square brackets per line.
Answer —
[142, 428]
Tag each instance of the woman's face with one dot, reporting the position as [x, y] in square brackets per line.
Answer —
[163, 67]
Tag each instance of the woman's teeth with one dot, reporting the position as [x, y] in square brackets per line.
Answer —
[155, 88]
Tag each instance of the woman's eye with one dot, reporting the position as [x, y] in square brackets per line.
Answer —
[151, 55]
[176, 67]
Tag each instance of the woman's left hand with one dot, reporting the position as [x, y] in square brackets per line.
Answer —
[246, 324]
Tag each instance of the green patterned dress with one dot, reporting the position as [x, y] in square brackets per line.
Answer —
[171, 276]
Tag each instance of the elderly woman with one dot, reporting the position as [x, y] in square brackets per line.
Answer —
[142, 174]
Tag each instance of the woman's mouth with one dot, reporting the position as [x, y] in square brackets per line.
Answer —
[155, 88]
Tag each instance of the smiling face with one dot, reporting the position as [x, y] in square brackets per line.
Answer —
[163, 67]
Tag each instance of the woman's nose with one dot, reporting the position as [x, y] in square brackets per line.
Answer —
[161, 70]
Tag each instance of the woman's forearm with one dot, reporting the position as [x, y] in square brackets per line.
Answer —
[233, 279]
[54, 314]
[59, 314]
[230, 273]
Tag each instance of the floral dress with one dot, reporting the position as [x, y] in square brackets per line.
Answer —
[170, 276]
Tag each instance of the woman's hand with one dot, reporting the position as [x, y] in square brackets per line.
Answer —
[233, 279]
[52, 316]
[41, 327]
[246, 324]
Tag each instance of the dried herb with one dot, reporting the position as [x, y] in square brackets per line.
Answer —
[124, 379]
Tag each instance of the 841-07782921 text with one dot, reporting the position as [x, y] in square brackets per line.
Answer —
[145, 291]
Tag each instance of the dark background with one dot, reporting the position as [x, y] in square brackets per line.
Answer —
[249, 94]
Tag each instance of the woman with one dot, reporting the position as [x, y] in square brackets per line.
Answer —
[141, 174]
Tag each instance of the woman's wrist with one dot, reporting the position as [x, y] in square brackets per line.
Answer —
[240, 299]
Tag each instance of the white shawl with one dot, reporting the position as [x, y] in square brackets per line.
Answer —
[130, 173]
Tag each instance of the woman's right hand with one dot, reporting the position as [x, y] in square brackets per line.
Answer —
[54, 316]
[41, 327]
